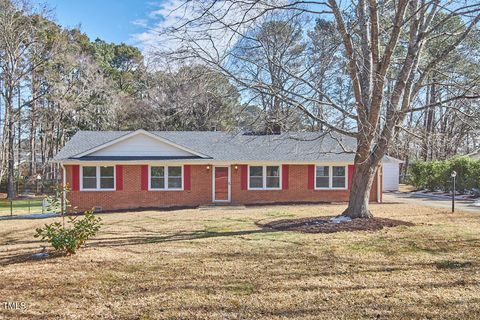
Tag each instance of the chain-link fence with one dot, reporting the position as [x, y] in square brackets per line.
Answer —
[29, 188]
[30, 197]
[22, 206]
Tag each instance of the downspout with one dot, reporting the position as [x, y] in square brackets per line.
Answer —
[379, 184]
[64, 183]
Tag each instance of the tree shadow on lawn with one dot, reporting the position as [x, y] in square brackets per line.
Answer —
[23, 257]
[25, 254]
[180, 236]
[20, 256]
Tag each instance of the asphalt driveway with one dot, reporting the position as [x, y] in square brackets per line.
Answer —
[431, 201]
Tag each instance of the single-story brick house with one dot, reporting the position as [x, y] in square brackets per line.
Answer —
[113, 170]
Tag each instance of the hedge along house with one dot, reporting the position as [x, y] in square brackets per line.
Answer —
[112, 170]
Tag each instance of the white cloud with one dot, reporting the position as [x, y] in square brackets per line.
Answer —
[140, 23]
[165, 15]
[215, 39]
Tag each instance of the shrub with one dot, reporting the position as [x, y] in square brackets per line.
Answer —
[465, 179]
[70, 238]
[435, 175]
[57, 203]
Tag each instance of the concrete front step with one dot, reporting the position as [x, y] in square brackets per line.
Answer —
[221, 207]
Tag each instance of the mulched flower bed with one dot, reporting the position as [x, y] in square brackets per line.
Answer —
[325, 225]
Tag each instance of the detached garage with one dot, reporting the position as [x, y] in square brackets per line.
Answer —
[391, 173]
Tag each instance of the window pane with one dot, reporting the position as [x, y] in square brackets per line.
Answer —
[322, 182]
[157, 171]
[174, 172]
[174, 183]
[338, 171]
[256, 171]
[322, 171]
[273, 182]
[106, 171]
[256, 182]
[89, 171]
[158, 183]
[106, 183]
[273, 171]
[338, 182]
[89, 183]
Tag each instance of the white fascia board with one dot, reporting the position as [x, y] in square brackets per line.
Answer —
[201, 161]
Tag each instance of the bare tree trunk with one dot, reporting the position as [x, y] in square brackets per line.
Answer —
[9, 136]
[10, 155]
[2, 148]
[33, 126]
[19, 133]
[362, 181]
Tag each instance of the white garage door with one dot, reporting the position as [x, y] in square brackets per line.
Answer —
[391, 175]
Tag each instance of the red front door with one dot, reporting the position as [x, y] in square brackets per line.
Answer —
[221, 184]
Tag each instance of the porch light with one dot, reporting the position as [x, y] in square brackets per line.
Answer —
[208, 167]
[236, 167]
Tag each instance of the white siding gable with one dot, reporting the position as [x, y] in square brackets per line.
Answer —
[141, 145]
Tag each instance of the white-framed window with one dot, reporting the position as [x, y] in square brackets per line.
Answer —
[322, 177]
[339, 177]
[165, 178]
[255, 177]
[100, 178]
[330, 177]
[264, 178]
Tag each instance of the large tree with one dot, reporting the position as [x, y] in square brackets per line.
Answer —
[22, 54]
[269, 49]
[187, 98]
[383, 46]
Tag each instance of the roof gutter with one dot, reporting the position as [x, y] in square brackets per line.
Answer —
[200, 162]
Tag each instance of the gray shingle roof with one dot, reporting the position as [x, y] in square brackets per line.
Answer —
[224, 146]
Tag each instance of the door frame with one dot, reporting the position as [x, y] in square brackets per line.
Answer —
[229, 184]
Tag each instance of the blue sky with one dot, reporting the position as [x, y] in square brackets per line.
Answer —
[111, 20]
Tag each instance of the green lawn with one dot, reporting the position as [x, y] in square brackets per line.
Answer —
[221, 264]
[22, 206]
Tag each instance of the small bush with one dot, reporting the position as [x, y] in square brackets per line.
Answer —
[435, 175]
[57, 203]
[69, 239]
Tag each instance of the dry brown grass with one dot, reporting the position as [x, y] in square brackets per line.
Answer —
[213, 264]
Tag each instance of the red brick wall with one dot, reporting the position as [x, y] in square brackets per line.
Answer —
[133, 197]
[201, 191]
[297, 190]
